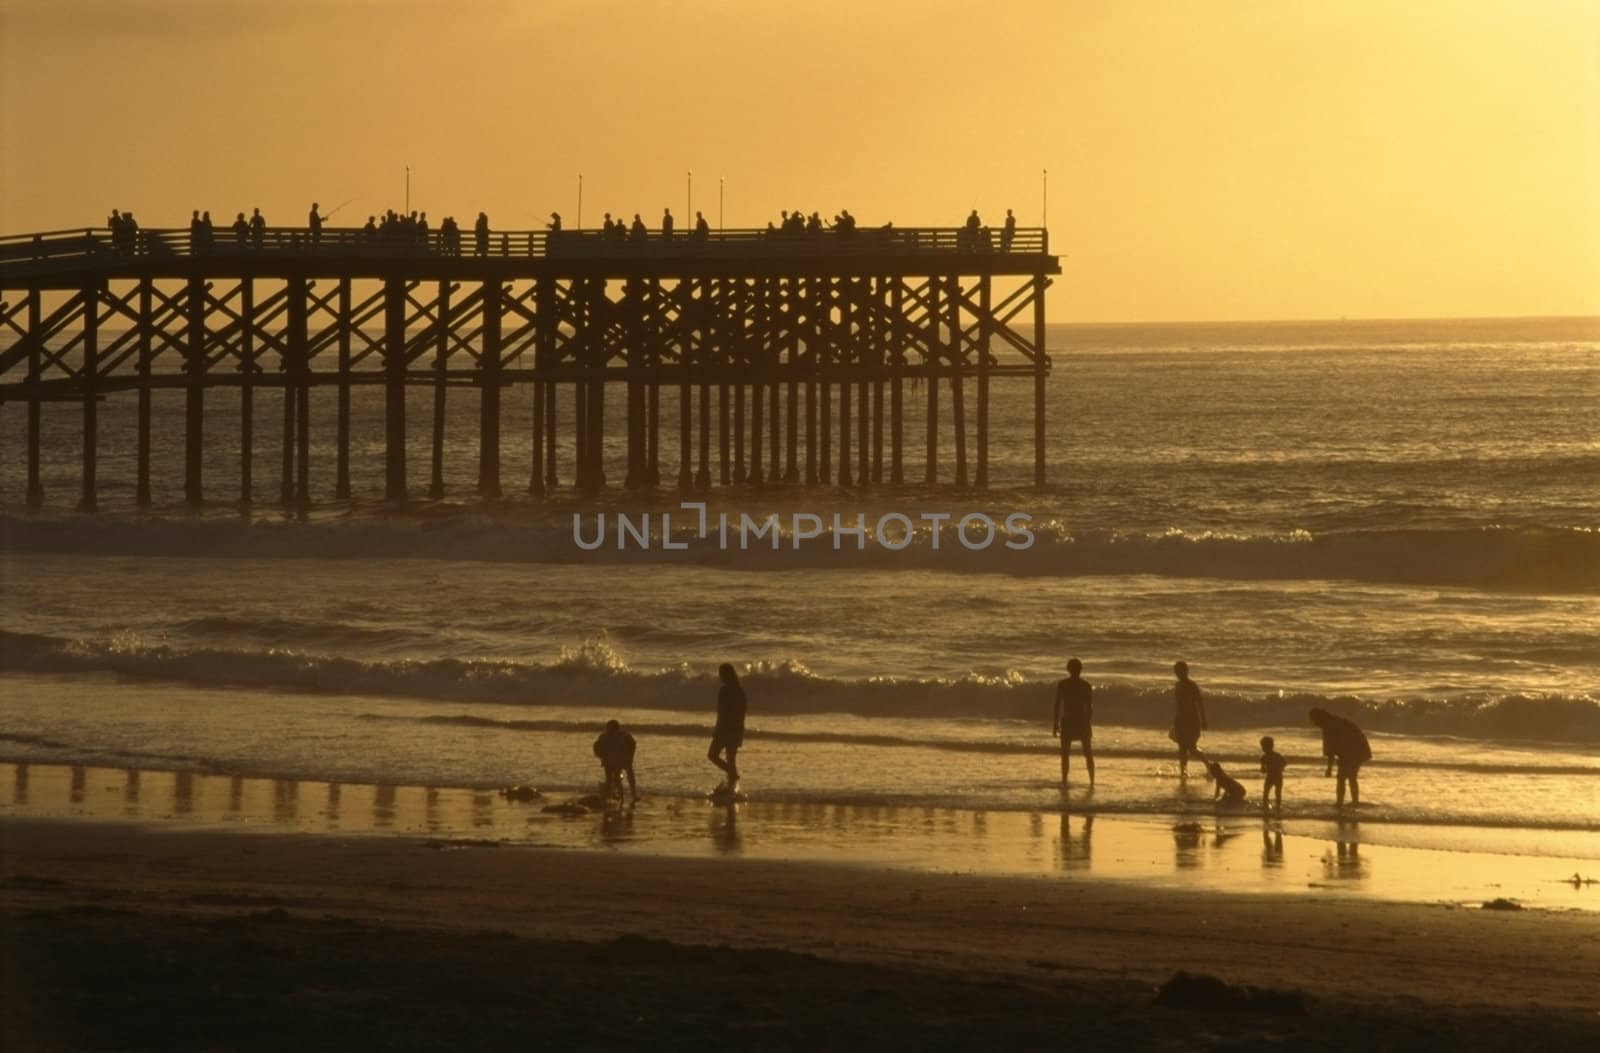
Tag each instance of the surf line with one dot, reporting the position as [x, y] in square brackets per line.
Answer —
[893, 531]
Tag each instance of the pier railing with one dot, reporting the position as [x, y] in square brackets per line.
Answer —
[72, 248]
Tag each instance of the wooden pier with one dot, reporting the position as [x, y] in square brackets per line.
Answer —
[792, 355]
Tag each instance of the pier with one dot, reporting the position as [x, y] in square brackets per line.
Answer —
[792, 356]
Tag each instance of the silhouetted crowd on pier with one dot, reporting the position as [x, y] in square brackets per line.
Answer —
[410, 232]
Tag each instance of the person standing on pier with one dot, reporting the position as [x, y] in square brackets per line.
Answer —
[702, 229]
[314, 224]
[728, 735]
[638, 232]
[1190, 718]
[1008, 233]
[666, 224]
[241, 231]
[480, 233]
[258, 229]
[1074, 718]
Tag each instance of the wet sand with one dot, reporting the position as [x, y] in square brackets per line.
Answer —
[181, 937]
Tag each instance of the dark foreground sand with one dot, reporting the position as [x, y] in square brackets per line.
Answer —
[122, 937]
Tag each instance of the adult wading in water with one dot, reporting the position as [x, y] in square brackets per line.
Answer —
[1190, 718]
[1074, 718]
[729, 733]
[1344, 743]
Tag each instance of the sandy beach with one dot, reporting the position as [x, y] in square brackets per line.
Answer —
[147, 936]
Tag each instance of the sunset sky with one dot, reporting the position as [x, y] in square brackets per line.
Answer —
[1233, 159]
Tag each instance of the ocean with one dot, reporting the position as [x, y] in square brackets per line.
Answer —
[1398, 521]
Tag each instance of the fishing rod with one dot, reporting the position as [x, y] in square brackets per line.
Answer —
[335, 210]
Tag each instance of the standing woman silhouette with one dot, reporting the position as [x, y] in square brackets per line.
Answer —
[1190, 718]
[729, 733]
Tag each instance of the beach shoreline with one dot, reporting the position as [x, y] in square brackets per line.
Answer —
[305, 908]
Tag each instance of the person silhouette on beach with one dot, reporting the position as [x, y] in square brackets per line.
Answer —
[1231, 790]
[1272, 765]
[1074, 718]
[1345, 744]
[728, 735]
[615, 749]
[1190, 718]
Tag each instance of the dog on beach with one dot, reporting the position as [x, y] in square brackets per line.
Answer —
[1229, 789]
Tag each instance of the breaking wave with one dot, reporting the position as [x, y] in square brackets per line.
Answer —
[595, 675]
[1546, 559]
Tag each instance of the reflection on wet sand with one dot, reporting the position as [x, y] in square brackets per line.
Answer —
[616, 825]
[1191, 845]
[130, 791]
[285, 800]
[1271, 847]
[383, 807]
[183, 793]
[1075, 850]
[1186, 843]
[431, 809]
[1342, 860]
[725, 829]
[1208, 854]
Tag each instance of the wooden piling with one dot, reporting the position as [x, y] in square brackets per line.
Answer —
[738, 434]
[597, 432]
[724, 462]
[844, 346]
[489, 366]
[341, 470]
[685, 438]
[984, 323]
[35, 340]
[296, 398]
[702, 478]
[441, 363]
[142, 478]
[195, 392]
[775, 473]
[544, 337]
[958, 402]
[247, 382]
[1040, 364]
[931, 475]
[897, 362]
[551, 477]
[756, 403]
[302, 416]
[394, 405]
[91, 399]
[811, 432]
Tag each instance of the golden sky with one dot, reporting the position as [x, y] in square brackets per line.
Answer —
[1226, 159]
